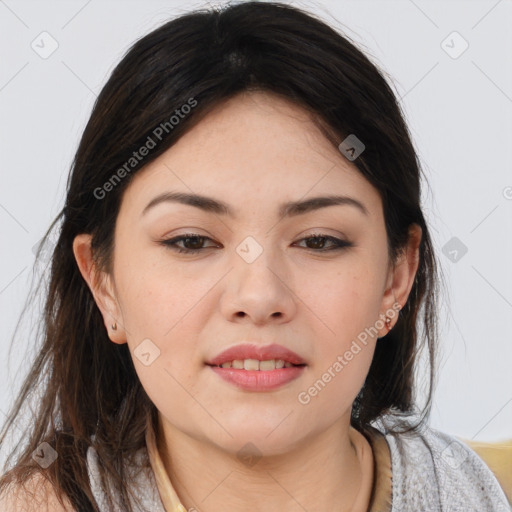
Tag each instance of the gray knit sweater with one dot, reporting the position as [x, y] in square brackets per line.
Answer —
[431, 471]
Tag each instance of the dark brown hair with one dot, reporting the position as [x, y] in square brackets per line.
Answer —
[89, 384]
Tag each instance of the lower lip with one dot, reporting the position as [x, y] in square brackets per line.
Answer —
[258, 380]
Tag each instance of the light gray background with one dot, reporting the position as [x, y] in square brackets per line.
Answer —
[459, 113]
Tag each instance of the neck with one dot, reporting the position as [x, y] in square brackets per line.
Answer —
[332, 471]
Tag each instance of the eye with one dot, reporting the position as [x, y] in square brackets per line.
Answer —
[194, 243]
[191, 239]
[319, 239]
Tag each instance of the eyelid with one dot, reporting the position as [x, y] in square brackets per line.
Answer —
[178, 238]
[337, 243]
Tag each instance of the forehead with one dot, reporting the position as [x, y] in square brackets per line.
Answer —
[255, 149]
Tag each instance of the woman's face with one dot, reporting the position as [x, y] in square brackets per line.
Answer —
[252, 276]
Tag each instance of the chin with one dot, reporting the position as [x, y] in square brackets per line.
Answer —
[259, 438]
[249, 449]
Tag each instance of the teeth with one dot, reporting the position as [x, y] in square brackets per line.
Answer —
[251, 364]
[267, 365]
[254, 364]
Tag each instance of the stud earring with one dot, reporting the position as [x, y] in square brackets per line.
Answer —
[114, 326]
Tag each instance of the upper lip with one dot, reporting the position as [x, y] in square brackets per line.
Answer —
[260, 352]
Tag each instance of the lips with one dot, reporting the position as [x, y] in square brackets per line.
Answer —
[261, 353]
[255, 368]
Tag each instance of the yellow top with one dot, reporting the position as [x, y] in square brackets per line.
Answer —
[374, 456]
[498, 456]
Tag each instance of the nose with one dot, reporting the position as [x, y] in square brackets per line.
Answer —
[259, 291]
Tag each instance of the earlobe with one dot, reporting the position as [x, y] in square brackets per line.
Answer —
[101, 288]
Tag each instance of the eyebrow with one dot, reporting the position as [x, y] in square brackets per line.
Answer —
[289, 209]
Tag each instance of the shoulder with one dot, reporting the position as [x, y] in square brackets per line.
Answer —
[434, 468]
[37, 494]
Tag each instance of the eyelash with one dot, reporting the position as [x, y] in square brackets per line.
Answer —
[171, 243]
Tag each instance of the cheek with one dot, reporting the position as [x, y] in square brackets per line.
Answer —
[161, 342]
[342, 360]
[347, 302]
[160, 312]
[157, 298]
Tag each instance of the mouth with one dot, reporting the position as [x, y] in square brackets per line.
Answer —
[250, 356]
[258, 376]
[257, 365]
[256, 368]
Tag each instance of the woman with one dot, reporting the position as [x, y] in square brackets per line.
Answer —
[234, 304]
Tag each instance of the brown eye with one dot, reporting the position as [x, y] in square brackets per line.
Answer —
[320, 240]
[192, 242]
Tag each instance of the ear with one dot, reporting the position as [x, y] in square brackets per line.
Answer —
[101, 286]
[400, 278]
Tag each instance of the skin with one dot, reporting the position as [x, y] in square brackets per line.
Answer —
[254, 152]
